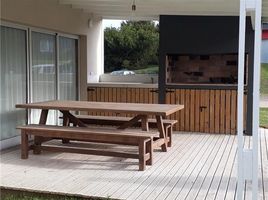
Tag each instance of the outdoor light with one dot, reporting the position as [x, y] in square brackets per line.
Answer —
[133, 10]
[133, 7]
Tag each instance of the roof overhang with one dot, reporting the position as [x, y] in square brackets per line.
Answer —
[152, 9]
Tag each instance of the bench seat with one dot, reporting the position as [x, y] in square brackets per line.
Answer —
[142, 139]
[117, 121]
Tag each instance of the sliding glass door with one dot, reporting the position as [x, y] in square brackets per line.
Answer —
[51, 73]
[13, 78]
[43, 77]
[68, 66]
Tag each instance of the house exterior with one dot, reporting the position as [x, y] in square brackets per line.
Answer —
[52, 46]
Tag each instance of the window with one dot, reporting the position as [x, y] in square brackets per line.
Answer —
[131, 47]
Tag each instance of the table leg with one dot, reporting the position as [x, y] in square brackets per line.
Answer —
[133, 121]
[72, 119]
[144, 123]
[66, 122]
[37, 139]
[162, 132]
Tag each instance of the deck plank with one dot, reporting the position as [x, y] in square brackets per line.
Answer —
[203, 163]
[198, 166]
[133, 177]
[116, 179]
[152, 179]
[218, 174]
[167, 180]
[185, 170]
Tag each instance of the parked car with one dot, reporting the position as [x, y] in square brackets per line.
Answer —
[122, 72]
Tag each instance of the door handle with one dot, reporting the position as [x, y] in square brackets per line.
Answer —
[201, 108]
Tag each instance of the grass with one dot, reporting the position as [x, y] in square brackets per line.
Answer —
[264, 80]
[16, 194]
[264, 117]
[151, 69]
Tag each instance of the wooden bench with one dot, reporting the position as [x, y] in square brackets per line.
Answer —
[117, 121]
[139, 138]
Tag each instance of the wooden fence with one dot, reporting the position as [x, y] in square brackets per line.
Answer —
[208, 111]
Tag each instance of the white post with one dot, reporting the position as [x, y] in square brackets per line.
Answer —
[249, 158]
[256, 98]
[240, 98]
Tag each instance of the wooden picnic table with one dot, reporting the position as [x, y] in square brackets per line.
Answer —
[141, 112]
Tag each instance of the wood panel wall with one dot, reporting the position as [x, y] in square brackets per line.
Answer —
[208, 111]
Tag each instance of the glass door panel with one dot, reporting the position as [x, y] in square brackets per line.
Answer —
[43, 72]
[13, 73]
[67, 68]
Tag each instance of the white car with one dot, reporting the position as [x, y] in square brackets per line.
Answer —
[123, 72]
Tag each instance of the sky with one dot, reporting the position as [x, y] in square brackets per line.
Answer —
[114, 23]
[111, 23]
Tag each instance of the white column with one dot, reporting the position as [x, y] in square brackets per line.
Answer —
[248, 158]
[240, 98]
[95, 48]
[256, 97]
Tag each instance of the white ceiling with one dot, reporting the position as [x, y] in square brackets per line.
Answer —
[151, 9]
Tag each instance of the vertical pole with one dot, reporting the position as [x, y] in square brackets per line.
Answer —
[256, 94]
[240, 97]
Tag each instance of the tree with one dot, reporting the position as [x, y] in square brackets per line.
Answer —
[133, 46]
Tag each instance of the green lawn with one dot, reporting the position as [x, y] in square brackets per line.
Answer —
[264, 79]
[264, 117]
[13, 194]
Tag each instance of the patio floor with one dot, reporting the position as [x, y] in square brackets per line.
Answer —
[198, 166]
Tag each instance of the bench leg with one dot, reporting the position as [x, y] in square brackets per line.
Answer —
[24, 145]
[149, 149]
[169, 132]
[66, 122]
[142, 147]
[37, 145]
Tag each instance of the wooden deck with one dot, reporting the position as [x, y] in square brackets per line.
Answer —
[198, 166]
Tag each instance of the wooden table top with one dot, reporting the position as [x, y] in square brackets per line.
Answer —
[131, 108]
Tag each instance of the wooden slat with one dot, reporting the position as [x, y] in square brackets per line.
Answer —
[187, 110]
[222, 112]
[168, 101]
[146, 95]
[228, 112]
[94, 98]
[197, 111]
[177, 114]
[217, 111]
[233, 111]
[137, 93]
[206, 110]
[212, 111]
[202, 111]
[182, 113]
[192, 110]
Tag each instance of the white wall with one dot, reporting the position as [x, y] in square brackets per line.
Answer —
[48, 14]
